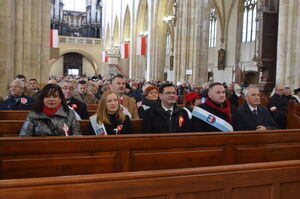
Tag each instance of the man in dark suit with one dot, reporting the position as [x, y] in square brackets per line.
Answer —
[253, 116]
[166, 117]
[216, 114]
[78, 106]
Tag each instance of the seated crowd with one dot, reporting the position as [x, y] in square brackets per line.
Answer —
[163, 106]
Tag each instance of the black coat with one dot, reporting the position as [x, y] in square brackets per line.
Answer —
[201, 126]
[157, 120]
[248, 121]
[20, 103]
[280, 115]
[126, 126]
[234, 100]
[146, 104]
[81, 108]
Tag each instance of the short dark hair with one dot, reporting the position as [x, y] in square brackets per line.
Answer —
[47, 91]
[20, 76]
[33, 80]
[211, 86]
[82, 82]
[117, 76]
[163, 86]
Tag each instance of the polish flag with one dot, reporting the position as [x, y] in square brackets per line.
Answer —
[104, 57]
[141, 46]
[53, 38]
[124, 51]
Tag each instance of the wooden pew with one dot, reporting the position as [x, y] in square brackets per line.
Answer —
[293, 118]
[11, 128]
[249, 181]
[56, 156]
[92, 107]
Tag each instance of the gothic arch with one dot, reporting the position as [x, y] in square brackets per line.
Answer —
[107, 37]
[116, 37]
[85, 54]
[127, 24]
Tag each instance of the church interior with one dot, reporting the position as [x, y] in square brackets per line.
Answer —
[179, 51]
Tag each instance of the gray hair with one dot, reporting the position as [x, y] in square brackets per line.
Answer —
[246, 90]
[20, 82]
[237, 87]
[65, 81]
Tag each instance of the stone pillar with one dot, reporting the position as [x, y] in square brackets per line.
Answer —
[191, 40]
[288, 57]
[24, 40]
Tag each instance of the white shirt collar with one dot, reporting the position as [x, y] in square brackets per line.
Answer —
[166, 109]
[252, 108]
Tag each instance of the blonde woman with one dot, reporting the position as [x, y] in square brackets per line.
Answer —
[110, 118]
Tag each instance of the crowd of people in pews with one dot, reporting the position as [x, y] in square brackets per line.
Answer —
[163, 106]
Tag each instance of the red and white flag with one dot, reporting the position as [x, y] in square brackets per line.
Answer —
[124, 51]
[53, 38]
[141, 46]
[104, 57]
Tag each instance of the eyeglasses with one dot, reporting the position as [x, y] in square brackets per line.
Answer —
[15, 87]
[68, 88]
[170, 93]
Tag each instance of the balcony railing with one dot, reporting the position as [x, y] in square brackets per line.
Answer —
[79, 40]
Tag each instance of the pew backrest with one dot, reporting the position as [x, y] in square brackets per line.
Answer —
[11, 128]
[293, 117]
[55, 156]
[260, 180]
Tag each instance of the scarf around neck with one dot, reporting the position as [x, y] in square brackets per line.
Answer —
[50, 112]
[226, 110]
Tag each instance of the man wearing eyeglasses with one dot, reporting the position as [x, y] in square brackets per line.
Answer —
[79, 107]
[166, 117]
[16, 99]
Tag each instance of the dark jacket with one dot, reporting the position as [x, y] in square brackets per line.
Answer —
[201, 126]
[126, 126]
[80, 109]
[234, 100]
[157, 120]
[249, 121]
[280, 115]
[40, 124]
[17, 103]
[146, 104]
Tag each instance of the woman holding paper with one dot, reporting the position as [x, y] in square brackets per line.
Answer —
[51, 115]
[109, 118]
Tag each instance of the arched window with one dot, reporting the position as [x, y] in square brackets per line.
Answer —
[78, 5]
[212, 28]
[249, 20]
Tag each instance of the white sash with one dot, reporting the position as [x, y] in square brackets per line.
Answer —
[98, 128]
[76, 114]
[125, 111]
[188, 112]
[211, 119]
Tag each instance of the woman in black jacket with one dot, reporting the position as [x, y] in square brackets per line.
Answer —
[110, 118]
[150, 99]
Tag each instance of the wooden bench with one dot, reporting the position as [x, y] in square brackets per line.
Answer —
[11, 128]
[271, 180]
[293, 120]
[56, 156]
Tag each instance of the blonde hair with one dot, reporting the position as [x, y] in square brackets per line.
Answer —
[102, 114]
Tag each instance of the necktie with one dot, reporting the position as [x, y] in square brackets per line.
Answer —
[255, 112]
[169, 113]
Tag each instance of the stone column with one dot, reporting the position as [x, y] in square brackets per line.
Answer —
[24, 40]
[191, 40]
[288, 61]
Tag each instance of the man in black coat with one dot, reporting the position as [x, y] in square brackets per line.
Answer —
[216, 114]
[253, 116]
[278, 107]
[166, 117]
[16, 99]
[78, 106]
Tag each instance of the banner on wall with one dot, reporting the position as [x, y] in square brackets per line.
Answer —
[53, 38]
[104, 57]
[124, 51]
[141, 46]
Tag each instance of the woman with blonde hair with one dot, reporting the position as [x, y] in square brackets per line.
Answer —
[110, 118]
